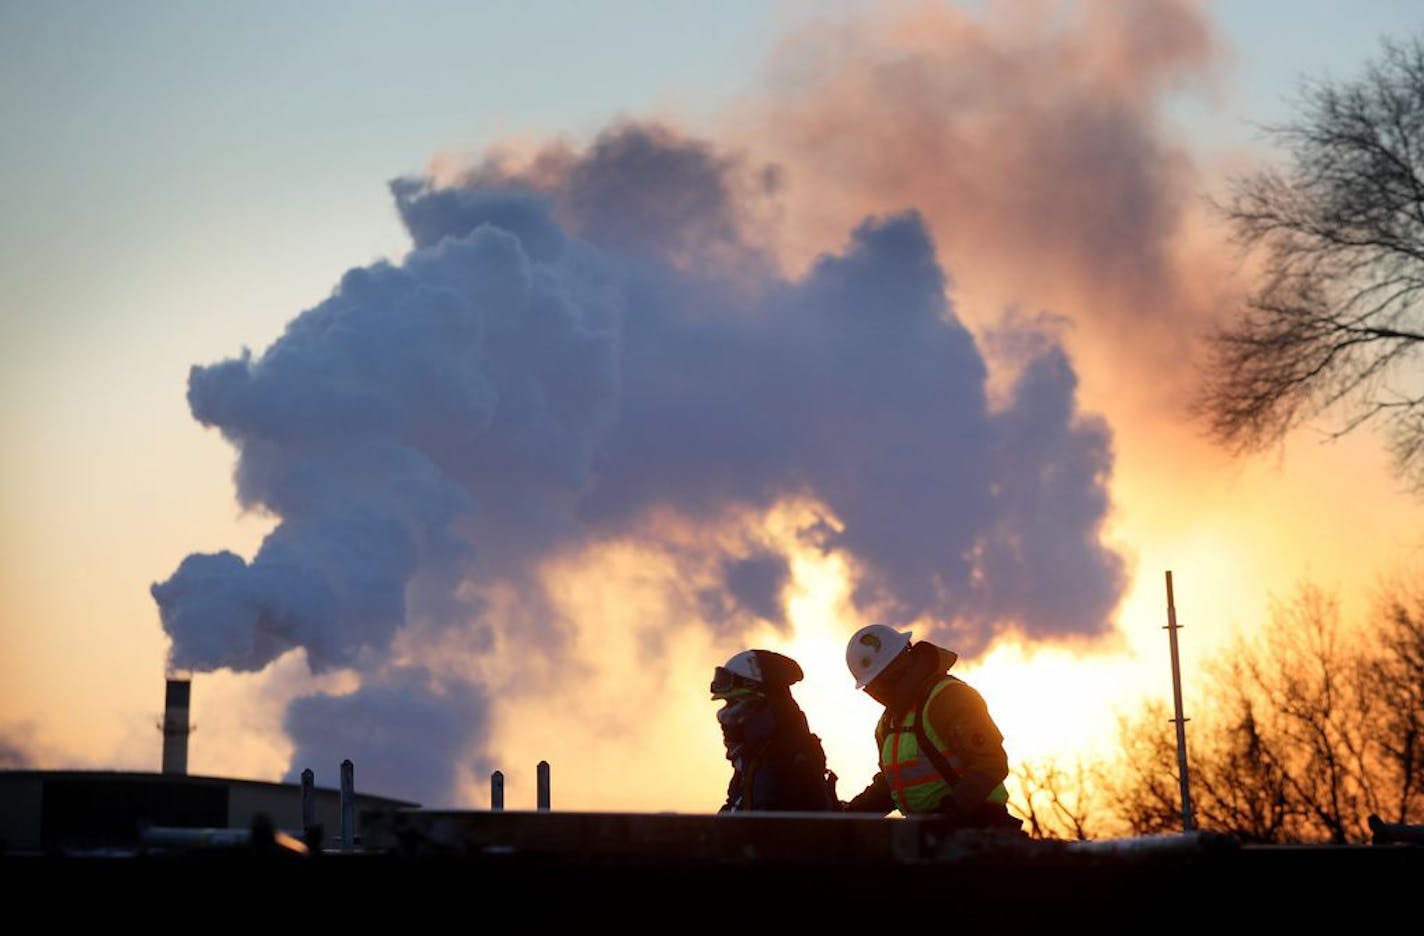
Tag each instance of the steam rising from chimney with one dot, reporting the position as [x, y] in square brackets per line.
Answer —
[575, 348]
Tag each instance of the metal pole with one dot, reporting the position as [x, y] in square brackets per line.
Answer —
[308, 802]
[544, 785]
[497, 790]
[348, 804]
[1181, 722]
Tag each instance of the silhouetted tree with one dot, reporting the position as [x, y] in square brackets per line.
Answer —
[1238, 782]
[1145, 790]
[1301, 732]
[1394, 688]
[1060, 801]
[1338, 316]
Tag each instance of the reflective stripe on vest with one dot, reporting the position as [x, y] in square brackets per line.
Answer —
[916, 784]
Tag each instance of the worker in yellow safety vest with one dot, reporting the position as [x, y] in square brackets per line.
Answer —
[940, 751]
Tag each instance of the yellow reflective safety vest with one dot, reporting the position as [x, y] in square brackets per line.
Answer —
[916, 760]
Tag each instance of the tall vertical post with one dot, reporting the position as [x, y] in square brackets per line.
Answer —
[544, 785]
[497, 790]
[308, 802]
[1181, 722]
[348, 804]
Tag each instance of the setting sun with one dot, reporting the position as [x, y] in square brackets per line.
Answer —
[436, 418]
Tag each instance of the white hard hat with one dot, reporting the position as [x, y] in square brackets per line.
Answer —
[871, 649]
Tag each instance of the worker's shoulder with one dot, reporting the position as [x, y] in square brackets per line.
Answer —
[951, 692]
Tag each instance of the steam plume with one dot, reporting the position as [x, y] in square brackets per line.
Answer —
[578, 344]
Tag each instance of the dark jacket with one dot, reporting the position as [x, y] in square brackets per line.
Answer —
[777, 763]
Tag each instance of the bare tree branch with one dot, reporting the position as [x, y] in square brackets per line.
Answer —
[1303, 734]
[1337, 324]
[1057, 802]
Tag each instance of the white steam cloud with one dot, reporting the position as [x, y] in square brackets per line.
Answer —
[595, 336]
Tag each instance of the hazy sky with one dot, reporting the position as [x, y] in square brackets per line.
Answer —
[825, 246]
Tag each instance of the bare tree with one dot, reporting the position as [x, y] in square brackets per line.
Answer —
[1338, 318]
[1394, 688]
[1145, 790]
[1304, 687]
[1239, 784]
[1302, 731]
[1059, 801]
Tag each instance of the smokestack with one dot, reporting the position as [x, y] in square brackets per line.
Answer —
[175, 726]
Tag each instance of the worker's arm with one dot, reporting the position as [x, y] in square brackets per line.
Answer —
[875, 798]
[961, 718]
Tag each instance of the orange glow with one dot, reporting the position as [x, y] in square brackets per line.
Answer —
[628, 725]
[1029, 211]
[1053, 702]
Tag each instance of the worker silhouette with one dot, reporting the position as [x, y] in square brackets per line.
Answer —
[777, 762]
[940, 751]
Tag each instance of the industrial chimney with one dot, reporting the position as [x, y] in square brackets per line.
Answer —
[175, 726]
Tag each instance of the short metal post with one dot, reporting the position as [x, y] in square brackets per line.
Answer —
[308, 802]
[497, 790]
[544, 785]
[348, 804]
[1171, 628]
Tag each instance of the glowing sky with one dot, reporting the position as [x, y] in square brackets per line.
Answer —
[787, 315]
